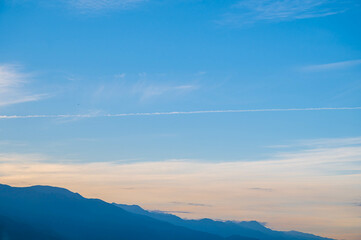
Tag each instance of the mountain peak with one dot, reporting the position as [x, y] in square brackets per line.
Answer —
[44, 190]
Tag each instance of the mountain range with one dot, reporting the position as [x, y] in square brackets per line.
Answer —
[250, 229]
[51, 213]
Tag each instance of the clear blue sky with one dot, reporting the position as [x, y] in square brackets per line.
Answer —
[135, 56]
[148, 56]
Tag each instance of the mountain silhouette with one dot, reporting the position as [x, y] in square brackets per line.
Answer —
[44, 212]
[52, 213]
[250, 229]
[12, 230]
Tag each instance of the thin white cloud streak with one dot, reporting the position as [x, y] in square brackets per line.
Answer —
[333, 142]
[91, 5]
[332, 66]
[177, 113]
[145, 88]
[147, 91]
[251, 11]
[22, 99]
[327, 142]
[12, 82]
[312, 190]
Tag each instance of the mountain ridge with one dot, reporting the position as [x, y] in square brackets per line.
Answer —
[251, 229]
[73, 217]
[65, 215]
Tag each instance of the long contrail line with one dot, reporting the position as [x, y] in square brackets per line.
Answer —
[175, 113]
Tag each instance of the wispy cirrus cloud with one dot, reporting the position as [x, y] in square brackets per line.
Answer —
[191, 204]
[332, 66]
[142, 90]
[319, 143]
[146, 91]
[94, 5]
[251, 11]
[12, 86]
[261, 189]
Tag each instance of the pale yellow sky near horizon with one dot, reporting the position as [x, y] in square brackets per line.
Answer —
[315, 190]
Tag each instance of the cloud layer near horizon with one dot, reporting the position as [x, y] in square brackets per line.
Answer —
[312, 190]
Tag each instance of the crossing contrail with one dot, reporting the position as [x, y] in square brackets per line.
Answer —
[176, 113]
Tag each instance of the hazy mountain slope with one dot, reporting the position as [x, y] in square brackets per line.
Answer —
[251, 229]
[12, 230]
[73, 217]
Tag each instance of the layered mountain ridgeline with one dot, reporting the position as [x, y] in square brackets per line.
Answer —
[55, 213]
[251, 229]
[43, 212]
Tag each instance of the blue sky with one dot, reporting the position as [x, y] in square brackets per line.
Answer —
[93, 58]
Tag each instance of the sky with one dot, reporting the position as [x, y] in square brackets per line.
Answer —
[233, 110]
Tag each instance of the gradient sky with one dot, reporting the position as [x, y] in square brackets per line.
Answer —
[69, 69]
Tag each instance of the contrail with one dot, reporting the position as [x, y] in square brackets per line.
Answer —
[176, 113]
